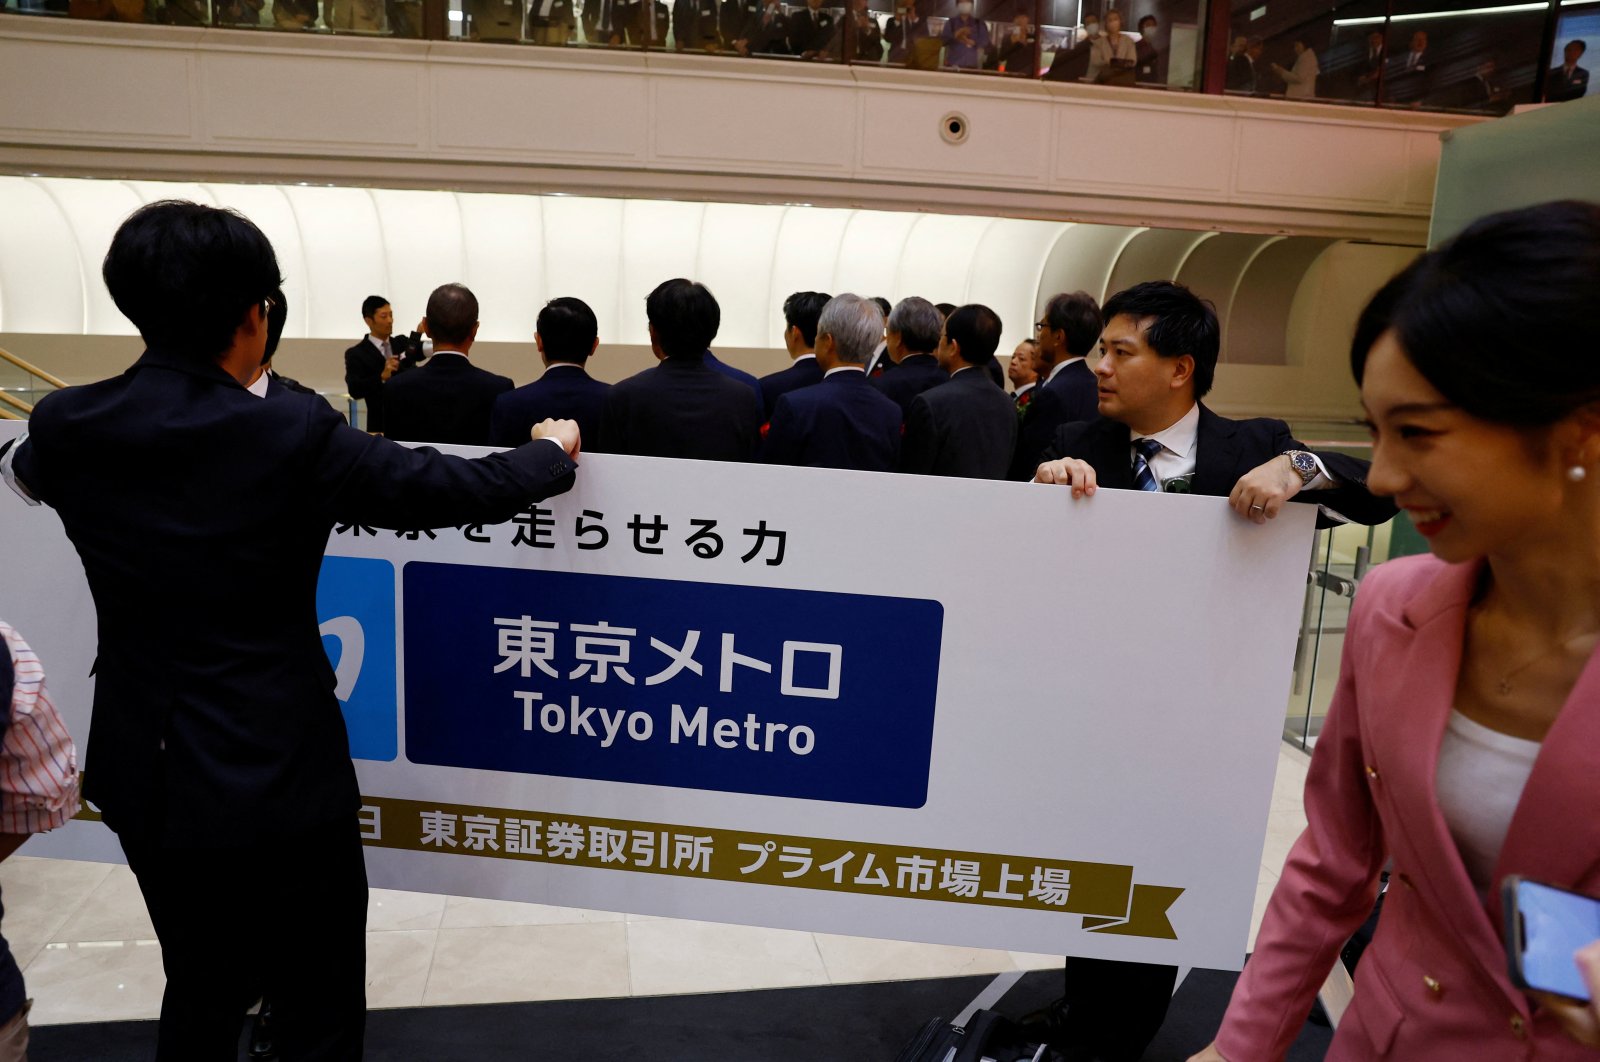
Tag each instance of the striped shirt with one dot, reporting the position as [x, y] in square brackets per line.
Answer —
[38, 762]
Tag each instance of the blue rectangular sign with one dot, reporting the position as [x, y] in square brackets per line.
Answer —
[740, 689]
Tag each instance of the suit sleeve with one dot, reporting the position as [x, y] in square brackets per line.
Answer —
[1329, 882]
[360, 379]
[502, 424]
[1039, 422]
[1350, 498]
[360, 478]
[919, 448]
[1065, 443]
[614, 424]
[782, 443]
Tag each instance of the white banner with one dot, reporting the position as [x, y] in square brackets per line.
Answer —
[942, 710]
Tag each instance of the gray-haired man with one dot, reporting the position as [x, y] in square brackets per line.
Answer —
[842, 422]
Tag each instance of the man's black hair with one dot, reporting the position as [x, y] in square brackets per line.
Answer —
[277, 317]
[1176, 322]
[1078, 315]
[976, 328]
[452, 311]
[801, 310]
[372, 304]
[569, 329]
[945, 309]
[685, 316]
[186, 275]
[882, 304]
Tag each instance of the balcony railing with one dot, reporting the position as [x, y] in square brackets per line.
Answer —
[1410, 54]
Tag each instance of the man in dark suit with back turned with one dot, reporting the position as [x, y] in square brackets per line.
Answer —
[910, 338]
[1066, 333]
[373, 361]
[1158, 359]
[841, 422]
[449, 399]
[682, 407]
[966, 426]
[800, 313]
[566, 337]
[217, 751]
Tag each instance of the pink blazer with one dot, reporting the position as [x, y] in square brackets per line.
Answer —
[1433, 985]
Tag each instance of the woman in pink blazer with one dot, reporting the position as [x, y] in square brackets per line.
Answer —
[1463, 743]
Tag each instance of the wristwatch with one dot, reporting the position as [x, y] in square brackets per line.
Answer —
[1304, 464]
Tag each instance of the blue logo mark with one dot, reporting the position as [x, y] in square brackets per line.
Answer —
[355, 611]
[741, 689]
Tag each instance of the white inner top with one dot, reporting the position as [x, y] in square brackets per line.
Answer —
[1482, 773]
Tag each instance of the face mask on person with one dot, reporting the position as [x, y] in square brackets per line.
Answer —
[964, 9]
[1091, 29]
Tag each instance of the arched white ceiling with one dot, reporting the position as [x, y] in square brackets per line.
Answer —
[338, 245]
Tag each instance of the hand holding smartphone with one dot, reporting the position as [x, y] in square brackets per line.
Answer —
[1545, 928]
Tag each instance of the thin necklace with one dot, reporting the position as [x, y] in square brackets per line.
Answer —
[1504, 686]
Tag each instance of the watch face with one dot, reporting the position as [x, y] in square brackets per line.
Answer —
[1304, 464]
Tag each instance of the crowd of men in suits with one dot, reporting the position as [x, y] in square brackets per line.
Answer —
[912, 388]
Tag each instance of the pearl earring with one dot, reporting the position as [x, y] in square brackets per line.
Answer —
[1577, 473]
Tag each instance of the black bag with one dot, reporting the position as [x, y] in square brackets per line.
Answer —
[987, 1036]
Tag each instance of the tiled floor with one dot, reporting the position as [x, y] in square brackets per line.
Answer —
[81, 934]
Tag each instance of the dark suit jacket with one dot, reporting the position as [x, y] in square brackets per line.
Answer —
[734, 16]
[914, 375]
[201, 513]
[1242, 74]
[592, 9]
[803, 373]
[682, 408]
[767, 37]
[1070, 64]
[561, 14]
[448, 400]
[854, 44]
[694, 24]
[1408, 82]
[964, 427]
[809, 32]
[1072, 396]
[637, 22]
[564, 392]
[734, 374]
[1224, 450]
[1558, 87]
[901, 35]
[841, 422]
[363, 372]
[1018, 57]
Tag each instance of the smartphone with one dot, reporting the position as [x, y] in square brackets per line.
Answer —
[1545, 927]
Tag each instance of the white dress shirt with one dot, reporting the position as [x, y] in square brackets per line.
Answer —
[842, 368]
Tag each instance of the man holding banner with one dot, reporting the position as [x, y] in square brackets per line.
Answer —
[217, 752]
[1158, 358]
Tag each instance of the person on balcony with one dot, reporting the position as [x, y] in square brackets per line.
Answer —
[966, 38]
[1112, 56]
[1569, 81]
[1300, 81]
[810, 30]
[904, 30]
[767, 32]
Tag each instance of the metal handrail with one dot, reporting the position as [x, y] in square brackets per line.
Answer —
[15, 403]
[29, 367]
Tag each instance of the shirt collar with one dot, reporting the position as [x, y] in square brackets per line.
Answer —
[1024, 389]
[437, 351]
[1180, 437]
[375, 341]
[547, 368]
[1056, 371]
[843, 368]
[812, 355]
[259, 388]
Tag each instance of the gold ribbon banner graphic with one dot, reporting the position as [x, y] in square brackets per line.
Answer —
[1103, 894]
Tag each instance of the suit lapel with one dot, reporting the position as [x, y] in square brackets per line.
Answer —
[1551, 838]
[1216, 458]
[1428, 671]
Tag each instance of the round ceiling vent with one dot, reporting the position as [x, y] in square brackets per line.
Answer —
[954, 128]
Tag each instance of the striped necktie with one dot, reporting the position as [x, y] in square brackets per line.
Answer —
[1144, 451]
